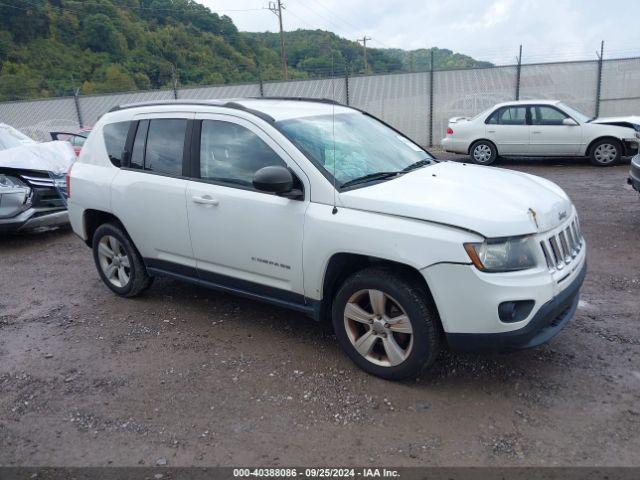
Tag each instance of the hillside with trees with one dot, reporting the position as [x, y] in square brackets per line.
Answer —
[53, 47]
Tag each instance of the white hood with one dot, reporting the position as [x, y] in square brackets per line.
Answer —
[55, 157]
[490, 201]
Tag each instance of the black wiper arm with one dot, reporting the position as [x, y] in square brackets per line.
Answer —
[370, 177]
[418, 164]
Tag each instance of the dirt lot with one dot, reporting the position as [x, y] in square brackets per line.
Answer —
[187, 376]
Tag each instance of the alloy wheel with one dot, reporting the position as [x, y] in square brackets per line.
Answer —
[378, 327]
[114, 261]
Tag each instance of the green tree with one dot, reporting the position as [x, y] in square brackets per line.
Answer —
[100, 35]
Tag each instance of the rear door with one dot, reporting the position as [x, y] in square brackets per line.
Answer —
[508, 128]
[549, 136]
[148, 195]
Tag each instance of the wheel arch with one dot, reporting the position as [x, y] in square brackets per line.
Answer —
[482, 140]
[604, 137]
[342, 265]
[92, 219]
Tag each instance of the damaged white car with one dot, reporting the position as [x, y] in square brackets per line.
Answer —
[542, 128]
[32, 182]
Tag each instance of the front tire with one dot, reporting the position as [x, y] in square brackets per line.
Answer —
[605, 152]
[119, 264]
[483, 152]
[386, 324]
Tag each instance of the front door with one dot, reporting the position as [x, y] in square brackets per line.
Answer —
[549, 135]
[241, 237]
[508, 129]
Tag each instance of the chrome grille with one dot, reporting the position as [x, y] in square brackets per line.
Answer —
[563, 246]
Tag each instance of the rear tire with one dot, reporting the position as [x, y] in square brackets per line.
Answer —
[605, 152]
[386, 324]
[483, 152]
[119, 264]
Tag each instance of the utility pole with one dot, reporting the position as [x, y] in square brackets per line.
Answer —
[276, 8]
[599, 84]
[518, 73]
[364, 46]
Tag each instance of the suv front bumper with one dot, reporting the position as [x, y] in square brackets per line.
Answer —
[468, 301]
[32, 219]
[545, 324]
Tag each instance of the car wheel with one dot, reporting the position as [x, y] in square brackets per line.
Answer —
[119, 264]
[386, 323]
[605, 152]
[483, 152]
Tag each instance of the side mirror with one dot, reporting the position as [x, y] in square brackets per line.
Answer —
[569, 122]
[276, 179]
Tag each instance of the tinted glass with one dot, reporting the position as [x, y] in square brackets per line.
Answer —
[513, 116]
[547, 116]
[231, 153]
[115, 137]
[165, 146]
[137, 154]
[493, 119]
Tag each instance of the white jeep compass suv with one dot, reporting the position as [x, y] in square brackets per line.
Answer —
[324, 209]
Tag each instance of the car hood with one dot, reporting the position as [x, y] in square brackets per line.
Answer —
[631, 121]
[490, 201]
[55, 157]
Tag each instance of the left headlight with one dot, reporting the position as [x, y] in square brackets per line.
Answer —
[503, 254]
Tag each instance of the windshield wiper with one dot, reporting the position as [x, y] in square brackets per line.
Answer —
[370, 177]
[418, 164]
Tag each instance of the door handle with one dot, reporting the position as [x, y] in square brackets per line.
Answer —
[491, 131]
[205, 200]
[536, 131]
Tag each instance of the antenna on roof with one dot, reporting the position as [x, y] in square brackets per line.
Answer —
[333, 131]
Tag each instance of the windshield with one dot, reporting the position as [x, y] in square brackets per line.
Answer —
[363, 145]
[10, 138]
[579, 116]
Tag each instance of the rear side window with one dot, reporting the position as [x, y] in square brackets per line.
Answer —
[137, 154]
[165, 146]
[513, 116]
[115, 137]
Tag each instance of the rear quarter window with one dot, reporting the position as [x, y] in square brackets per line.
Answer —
[115, 138]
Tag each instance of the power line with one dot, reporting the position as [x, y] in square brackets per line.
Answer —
[276, 7]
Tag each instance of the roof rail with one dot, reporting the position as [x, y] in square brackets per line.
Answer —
[300, 99]
[213, 103]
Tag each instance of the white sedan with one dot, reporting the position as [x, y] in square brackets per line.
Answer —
[546, 128]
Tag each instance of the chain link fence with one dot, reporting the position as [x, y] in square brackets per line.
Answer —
[418, 104]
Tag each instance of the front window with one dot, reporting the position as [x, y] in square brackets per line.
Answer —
[543, 115]
[577, 115]
[233, 154]
[349, 146]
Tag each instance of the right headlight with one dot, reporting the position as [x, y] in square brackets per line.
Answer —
[503, 254]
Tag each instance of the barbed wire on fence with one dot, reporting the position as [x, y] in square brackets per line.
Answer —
[418, 103]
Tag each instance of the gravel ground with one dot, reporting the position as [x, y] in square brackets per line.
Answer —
[187, 376]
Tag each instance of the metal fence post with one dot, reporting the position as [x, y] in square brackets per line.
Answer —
[346, 82]
[260, 84]
[431, 100]
[599, 85]
[518, 71]
[76, 100]
[174, 81]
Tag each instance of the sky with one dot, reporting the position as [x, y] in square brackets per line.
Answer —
[488, 30]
